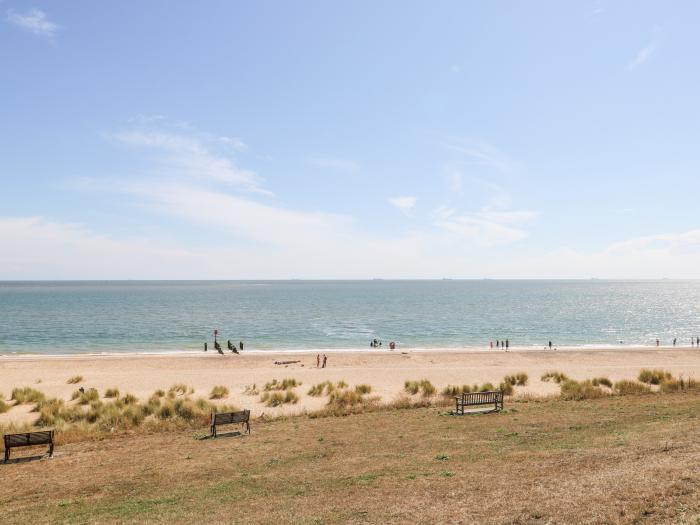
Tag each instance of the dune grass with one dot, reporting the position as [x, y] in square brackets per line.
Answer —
[26, 395]
[251, 390]
[218, 392]
[363, 389]
[654, 377]
[555, 376]
[285, 384]
[423, 386]
[180, 389]
[277, 397]
[75, 380]
[111, 393]
[4, 407]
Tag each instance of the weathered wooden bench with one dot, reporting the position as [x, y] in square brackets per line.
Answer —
[229, 418]
[477, 399]
[28, 439]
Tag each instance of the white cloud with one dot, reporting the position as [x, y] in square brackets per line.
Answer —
[481, 153]
[642, 56]
[487, 227]
[645, 53]
[335, 163]
[404, 204]
[188, 153]
[234, 142]
[34, 21]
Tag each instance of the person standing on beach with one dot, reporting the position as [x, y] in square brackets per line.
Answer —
[674, 341]
[491, 345]
[507, 344]
[205, 346]
[318, 360]
[240, 343]
[324, 360]
[550, 345]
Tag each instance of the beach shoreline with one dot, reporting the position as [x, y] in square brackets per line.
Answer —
[384, 370]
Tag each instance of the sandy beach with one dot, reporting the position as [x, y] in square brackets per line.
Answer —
[385, 371]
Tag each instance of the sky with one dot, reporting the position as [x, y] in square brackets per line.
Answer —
[349, 140]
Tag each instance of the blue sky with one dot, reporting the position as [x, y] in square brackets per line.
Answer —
[349, 140]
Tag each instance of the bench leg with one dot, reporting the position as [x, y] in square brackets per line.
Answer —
[7, 455]
[213, 431]
[51, 449]
[247, 426]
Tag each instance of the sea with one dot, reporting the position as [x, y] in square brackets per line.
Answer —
[74, 317]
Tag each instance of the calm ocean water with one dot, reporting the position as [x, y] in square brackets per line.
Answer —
[73, 317]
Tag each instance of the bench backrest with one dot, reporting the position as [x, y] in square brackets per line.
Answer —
[43, 437]
[482, 398]
[226, 418]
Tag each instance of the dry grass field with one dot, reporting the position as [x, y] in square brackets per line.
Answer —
[618, 459]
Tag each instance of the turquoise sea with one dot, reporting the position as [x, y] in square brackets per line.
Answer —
[152, 316]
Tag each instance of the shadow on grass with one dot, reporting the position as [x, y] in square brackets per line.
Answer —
[221, 435]
[25, 459]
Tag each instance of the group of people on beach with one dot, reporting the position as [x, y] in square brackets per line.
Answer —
[500, 344]
[318, 361]
[377, 343]
[694, 341]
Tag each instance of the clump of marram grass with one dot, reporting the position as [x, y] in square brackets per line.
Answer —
[521, 378]
[276, 398]
[159, 393]
[320, 389]
[451, 391]
[411, 387]
[75, 380]
[179, 389]
[251, 390]
[26, 395]
[363, 389]
[580, 390]
[218, 392]
[423, 386]
[486, 387]
[4, 407]
[86, 397]
[557, 377]
[654, 377]
[341, 384]
[602, 381]
[130, 399]
[426, 388]
[111, 393]
[506, 387]
[625, 387]
[285, 384]
[344, 398]
[679, 385]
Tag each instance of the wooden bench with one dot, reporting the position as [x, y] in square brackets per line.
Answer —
[477, 399]
[229, 418]
[28, 439]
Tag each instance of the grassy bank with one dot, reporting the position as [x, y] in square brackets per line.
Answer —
[615, 459]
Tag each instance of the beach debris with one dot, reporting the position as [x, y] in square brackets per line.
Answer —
[286, 362]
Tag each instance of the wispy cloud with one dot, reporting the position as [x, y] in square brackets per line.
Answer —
[481, 153]
[334, 163]
[642, 56]
[234, 142]
[34, 21]
[487, 227]
[192, 154]
[646, 52]
[403, 204]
